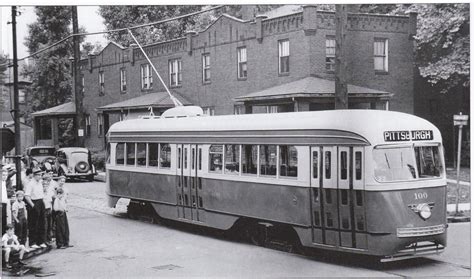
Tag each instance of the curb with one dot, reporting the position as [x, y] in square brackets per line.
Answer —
[454, 181]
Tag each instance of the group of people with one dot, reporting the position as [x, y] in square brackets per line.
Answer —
[36, 217]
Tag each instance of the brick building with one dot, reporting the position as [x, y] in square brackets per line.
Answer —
[264, 64]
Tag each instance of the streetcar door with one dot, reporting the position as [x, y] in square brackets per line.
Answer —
[180, 181]
[328, 190]
[350, 199]
[324, 195]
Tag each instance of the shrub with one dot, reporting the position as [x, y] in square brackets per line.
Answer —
[98, 159]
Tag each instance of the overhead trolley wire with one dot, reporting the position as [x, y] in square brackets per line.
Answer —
[115, 30]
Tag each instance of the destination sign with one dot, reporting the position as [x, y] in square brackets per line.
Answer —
[408, 135]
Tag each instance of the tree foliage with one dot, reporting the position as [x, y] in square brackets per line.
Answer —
[442, 43]
[51, 75]
[3, 93]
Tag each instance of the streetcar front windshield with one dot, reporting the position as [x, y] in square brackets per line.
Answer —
[407, 163]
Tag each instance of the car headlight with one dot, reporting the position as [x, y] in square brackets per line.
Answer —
[424, 211]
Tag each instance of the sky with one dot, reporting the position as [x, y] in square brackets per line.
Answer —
[88, 17]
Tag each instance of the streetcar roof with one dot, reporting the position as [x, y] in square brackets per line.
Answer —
[369, 124]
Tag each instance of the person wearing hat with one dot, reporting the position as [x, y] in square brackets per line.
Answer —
[34, 195]
[20, 217]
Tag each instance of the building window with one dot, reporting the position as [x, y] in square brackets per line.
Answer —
[101, 84]
[21, 96]
[330, 53]
[208, 110]
[100, 124]
[272, 109]
[88, 125]
[206, 68]
[123, 80]
[381, 55]
[239, 109]
[284, 56]
[147, 77]
[175, 72]
[242, 62]
[82, 84]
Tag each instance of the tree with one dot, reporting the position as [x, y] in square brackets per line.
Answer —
[51, 75]
[116, 17]
[127, 16]
[442, 43]
[3, 93]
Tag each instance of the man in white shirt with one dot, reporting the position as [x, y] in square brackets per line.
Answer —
[34, 195]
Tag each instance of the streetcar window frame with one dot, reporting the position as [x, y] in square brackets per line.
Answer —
[216, 157]
[248, 160]
[232, 159]
[130, 156]
[153, 162]
[291, 162]
[120, 150]
[165, 156]
[139, 159]
[268, 169]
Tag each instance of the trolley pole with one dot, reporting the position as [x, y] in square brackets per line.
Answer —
[459, 120]
[16, 106]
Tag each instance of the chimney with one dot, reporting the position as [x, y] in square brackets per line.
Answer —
[310, 17]
[412, 25]
[259, 26]
[189, 40]
[130, 53]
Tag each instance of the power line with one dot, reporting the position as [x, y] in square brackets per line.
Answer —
[115, 30]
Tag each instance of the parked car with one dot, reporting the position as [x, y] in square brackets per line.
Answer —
[75, 162]
[40, 157]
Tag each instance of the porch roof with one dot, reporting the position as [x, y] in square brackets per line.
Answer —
[310, 87]
[68, 108]
[159, 99]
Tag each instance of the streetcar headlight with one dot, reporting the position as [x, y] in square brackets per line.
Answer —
[424, 211]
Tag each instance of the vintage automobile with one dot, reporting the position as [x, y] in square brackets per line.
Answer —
[40, 157]
[75, 162]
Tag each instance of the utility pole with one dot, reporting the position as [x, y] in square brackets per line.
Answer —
[341, 97]
[16, 107]
[78, 93]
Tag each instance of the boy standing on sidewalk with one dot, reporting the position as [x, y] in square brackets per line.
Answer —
[62, 226]
[48, 208]
[20, 217]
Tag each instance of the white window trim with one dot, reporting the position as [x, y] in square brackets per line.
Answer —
[240, 60]
[123, 80]
[280, 55]
[206, 67]
[385, 61]
[146, 76]
[175, 72]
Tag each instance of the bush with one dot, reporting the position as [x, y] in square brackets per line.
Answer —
[98, 159]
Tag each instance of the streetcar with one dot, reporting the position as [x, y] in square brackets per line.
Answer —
[361, 181]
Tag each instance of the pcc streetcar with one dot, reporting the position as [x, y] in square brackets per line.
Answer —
[361, 181]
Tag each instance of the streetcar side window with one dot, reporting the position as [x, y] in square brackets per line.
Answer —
[315, 164]
[343, 166]
[119, 153]
[130, 154]
[327, 164]
[153, 154]
[141, 154]
[249, 159]
[288, 161]
[232, 158]
[215, 158]
[165, 155]
[358, 165]
[268, 160]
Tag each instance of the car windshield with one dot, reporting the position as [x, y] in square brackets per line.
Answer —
[399, 163]
[42, 152]
[79, 156]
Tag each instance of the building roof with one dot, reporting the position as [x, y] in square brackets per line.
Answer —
[160, 99]
[64, 109]
[310, 87]
[284, 11]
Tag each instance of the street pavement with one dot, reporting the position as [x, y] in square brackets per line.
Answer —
[107, 244]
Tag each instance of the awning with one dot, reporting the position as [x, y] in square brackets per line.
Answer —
[311, 87]
[61, 110]
[157, 100]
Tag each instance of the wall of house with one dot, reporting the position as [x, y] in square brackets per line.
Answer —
[306, 32]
